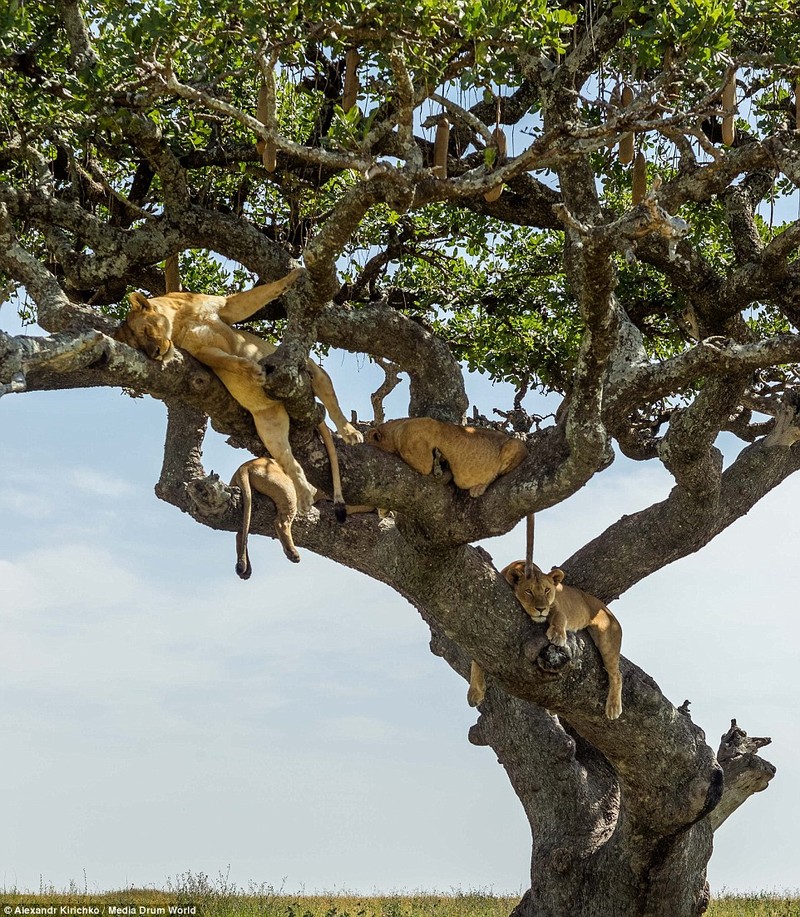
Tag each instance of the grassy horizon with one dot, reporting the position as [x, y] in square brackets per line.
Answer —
[223, 899]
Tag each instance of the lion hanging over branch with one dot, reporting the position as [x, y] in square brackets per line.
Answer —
[201, 324]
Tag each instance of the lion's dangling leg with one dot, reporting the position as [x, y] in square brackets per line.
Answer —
[241, 479]
[477, 684]
[269, 479]
[606, 633]
[279, 488]
[273, 431]
[339, 509]
[322, 387]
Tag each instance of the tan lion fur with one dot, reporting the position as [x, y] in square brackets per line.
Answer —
[546, 599]
[201, 324]
[266, 476]
[476, 456]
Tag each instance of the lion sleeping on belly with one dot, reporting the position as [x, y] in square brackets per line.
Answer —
[476, 456]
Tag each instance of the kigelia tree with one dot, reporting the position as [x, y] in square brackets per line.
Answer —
[583, 198]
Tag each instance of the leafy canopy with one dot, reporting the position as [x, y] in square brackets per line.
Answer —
[492, 283]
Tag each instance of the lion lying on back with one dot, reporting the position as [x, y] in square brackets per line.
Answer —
[546, 599]
[201, 325]
[476, 456]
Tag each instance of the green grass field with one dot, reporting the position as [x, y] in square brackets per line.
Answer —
[195, 896]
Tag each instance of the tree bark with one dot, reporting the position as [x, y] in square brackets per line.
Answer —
[591, 854]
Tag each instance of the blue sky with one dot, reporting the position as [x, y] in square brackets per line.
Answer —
[159, 715]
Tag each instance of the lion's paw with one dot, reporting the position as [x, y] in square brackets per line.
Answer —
[556, 636]
[350, 435]
[613, 708]
[305, 498]
[254, 372]
[474, 696]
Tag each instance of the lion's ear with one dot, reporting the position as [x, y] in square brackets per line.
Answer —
[557, 576]
[122, 333]
[139, 302]
[374, 435]
[514, 572]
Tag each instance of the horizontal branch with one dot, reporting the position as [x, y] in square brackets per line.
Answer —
[645, 219]
[705, 182]
[713, 356]
[109, 254]
[313, 156]
[54, 310]
[437, 381]
[84, 359]
[763, 278]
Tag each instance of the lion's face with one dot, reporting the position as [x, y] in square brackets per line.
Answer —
[146, 328]
[537, 593]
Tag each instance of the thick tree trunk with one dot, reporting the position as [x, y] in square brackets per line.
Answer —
[590, 859]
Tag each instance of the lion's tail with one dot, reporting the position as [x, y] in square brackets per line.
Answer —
[242, 480]
[339, 508]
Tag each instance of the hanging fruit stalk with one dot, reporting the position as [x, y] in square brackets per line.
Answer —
[262, 112]
[626, 140]
[728, 103]
[797, 105]
[172, 279]
[639, 178]
[350, 93]
[500, 142]
[266, 115]
[440, 145]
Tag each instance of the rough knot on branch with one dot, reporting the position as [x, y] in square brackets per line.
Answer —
[719, 345]
[209, 495]
[549, 658]
[477, 735]
[288, 381]
[736, 742]
[745, 772]
[786, 431]
[646, 218]
[16, 384]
